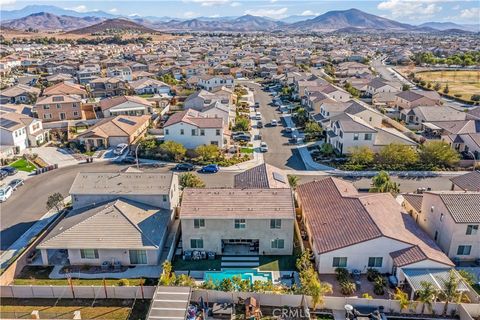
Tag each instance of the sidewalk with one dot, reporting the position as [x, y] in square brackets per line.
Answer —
[309, 163]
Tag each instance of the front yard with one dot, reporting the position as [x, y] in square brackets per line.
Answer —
[23, 165]
[38, 275]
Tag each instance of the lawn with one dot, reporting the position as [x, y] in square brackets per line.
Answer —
[246, 150]
[462, 82]
[38, 275]
[23, 165]
[113, 309]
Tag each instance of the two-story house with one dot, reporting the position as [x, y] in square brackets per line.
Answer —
[123, 72]
[238, 221]
[211, 82]
[13, 131]
[108, 87]
[58, 107]
[88, 72]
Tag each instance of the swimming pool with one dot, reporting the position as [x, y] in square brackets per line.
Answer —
[245, 274]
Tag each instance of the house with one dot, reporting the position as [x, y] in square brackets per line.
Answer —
[150, 86]
[202, 99]
[125, 105]
[263, 176]
[65, 88]
[108, 87]
[122, 232]
[121, 72]
[232, 221]
[377, 85]
[113, 131]
[13, 131]
[415, 117]
[61, 77]
[88, 72]
[19, 93]
[155, 189]
[347, 229]
[452, 219]
[411, 99]
[467, 182]
[347, 69]
[192, 129]
[58, 107]
[211, 82]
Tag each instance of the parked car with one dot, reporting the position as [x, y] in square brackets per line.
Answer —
[259, 124]
[129, 160]
[5, 193]
[274, 123]
[184, 167]
[3, 174]
[263, 146]
[238, 133]
[242, 137]
[210, 168]
[15, 183]
[120, 149]
[258, 116]
[257, 104]
[10, 170]
[289, 129]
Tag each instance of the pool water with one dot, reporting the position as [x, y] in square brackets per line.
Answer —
[245, 274]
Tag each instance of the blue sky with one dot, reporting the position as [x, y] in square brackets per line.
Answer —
[410, 11]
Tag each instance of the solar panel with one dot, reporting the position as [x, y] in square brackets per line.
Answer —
[129, 122]
[7, 123]
[279, 177]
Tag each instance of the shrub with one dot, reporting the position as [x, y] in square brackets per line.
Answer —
[341, 274]
[123, 282]
[379, 286]
[367, 296]
[347, 288]
[372, 274]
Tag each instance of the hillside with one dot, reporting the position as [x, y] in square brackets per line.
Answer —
[243, 23]
[49, 22]
[114, 26]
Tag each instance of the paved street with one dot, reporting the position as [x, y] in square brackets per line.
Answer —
[279, 154]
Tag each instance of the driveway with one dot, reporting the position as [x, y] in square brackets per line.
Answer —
[54, 155]
[280, 153]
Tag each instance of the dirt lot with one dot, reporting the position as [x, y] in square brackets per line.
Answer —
[462, 82]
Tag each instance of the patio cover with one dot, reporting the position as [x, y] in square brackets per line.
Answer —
[437, 277]
[169, 303]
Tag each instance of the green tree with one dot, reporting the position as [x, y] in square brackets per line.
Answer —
[397, 156]
[184, 280]
[242, 285]
[361, 155]
[446, 90]
[437, 86]
[168, 277]
[301, 116]
[262, 286]
[241, 124]
[426, 295]
[327, 150]
[313, 129]
[226, 285]
[475, 97]
[174, 150]
[190, 180]
[405, 87]
[383, 183]
[438, 154]
[293, 181]
[55, 201]
[402, 298]
[208, 152]
[450, 291]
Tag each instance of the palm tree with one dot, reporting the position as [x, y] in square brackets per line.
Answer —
[318, 291]
[427, 295]
[383, 183]
[293, 181]
[450, 292]
[402, 298]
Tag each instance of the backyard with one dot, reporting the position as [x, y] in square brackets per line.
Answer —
[23, 165]
[38, 275]
[461, 84]
[63, 308]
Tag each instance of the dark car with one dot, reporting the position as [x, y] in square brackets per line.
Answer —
[210, 168]
[184, 167]
[3, 174]
[129, 160]
[259, 124]
[257, 104]
[15, 183]
[242, 137]
[9, 170]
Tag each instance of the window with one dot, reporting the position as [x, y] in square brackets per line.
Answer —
[355, 136]
[196, 243]
[194, 132]
[89, 253]
[166, 131]
[275, 223]
[75, 113]
[198, 223]
[375, 262]
[217, 132]
[138, 256]
[202, 132]
[46, 107]
[182, 132]
[59, 106]
[464, 250]
[164, 197]
[339, 262]
[472, 229]
[240, 224]
[278, 244]
[436, 236]
[341, 134]
[368, 136]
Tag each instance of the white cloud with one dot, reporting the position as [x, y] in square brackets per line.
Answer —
[189, 14]
[410, 8]
[309, 13]
[113, 10]
[236, 4]
[134, 15]
[472, 13]
[80, 8]
[209, 3]
[270, 13]
[215, 16]
[7, 2]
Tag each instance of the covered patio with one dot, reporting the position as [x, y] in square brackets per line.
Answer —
[437, 277]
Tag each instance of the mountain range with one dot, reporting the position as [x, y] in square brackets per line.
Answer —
[55, 18]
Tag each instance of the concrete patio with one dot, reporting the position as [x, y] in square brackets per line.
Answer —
[133, 272]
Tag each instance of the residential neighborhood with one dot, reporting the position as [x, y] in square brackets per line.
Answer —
[211, 164]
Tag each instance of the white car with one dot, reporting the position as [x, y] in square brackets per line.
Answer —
[120, 149]
[5, 193]
[258, 116]
[263, 146]
[274, 123]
